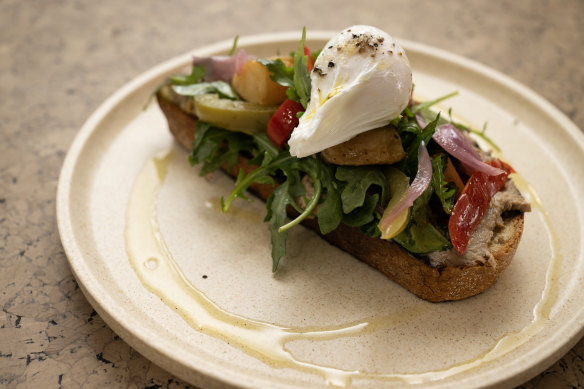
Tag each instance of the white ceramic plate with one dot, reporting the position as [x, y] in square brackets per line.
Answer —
[227, 257]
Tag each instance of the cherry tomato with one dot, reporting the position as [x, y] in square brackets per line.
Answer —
[283, 122]
[473, 202]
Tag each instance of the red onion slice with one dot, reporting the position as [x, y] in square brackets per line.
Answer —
[457, 145]
[223, 67]
[418, 186]
[420, 121]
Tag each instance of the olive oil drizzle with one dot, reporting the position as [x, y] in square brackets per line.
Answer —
[159, 273]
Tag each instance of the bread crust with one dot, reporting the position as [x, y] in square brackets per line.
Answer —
[433, 284]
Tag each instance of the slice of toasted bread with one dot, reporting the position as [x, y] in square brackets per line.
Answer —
[435, 284]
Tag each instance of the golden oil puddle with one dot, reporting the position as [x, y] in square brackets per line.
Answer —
[159, 273]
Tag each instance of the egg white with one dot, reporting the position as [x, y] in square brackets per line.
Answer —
[361, 80]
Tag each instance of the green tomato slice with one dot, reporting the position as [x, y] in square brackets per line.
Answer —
[398, 186]
[234, 115]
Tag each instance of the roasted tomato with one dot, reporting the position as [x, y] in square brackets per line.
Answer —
[283, 122]
[474, 202]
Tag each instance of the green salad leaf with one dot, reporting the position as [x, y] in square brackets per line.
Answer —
[302, 81]
[420, 235]
[197, 75]
[443, 189]
[364, 214]
[215, 147]
[427, 104]
[330, 212]
[277, 214]
[279, 72]
[222, 88]
[295, 78]
[233, 46]
[412, 137]
[357, 181]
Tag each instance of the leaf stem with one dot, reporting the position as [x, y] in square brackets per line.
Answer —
[309, 207]
[249, 179]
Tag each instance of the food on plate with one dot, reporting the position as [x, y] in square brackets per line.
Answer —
[334, 140]
[361, 81]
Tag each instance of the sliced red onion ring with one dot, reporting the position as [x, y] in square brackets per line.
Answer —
[420, 121]
[418, 186]
[223, 67]
[457, 145]
[241, 58]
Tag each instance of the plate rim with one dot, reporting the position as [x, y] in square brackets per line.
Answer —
[155, 352]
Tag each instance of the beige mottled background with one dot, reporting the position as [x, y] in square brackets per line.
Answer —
[59, 59]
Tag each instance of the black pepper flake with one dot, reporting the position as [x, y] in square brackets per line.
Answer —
[204, 276]
[355, 36]
[380, 39]
[330, 47]
[390, 52]
[393, 44]
[318, 70]
[376, 44]
[331, 64]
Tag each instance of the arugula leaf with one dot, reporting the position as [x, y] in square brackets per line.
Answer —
[481, 134]
[421, 236]
[243, 182]
[301, 73]
[427, 104]
[330, 212]
[371, 229]
[312, 168]
[282, 75]
[215, 147]
[265, 145]
[362, 215]
[233, 46]
[279, 72]
[197, 75]
[277, 204]
[358, 180]
[296, 78]
[220, 87]
[409, 165]
[443, 189]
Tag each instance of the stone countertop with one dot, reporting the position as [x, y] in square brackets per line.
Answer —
[60, 59]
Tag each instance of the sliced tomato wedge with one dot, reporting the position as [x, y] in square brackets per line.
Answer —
[310, 59]
[473, 202]
[283, 121]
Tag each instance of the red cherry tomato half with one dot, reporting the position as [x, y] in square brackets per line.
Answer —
[473, 202]
[283, 121]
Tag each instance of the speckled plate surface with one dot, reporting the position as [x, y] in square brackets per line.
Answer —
[227, 257]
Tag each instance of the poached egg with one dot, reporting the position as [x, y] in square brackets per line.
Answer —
[361, 80]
